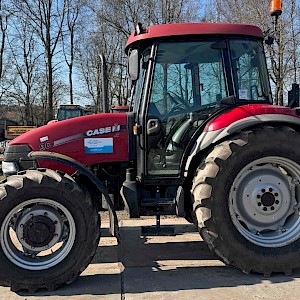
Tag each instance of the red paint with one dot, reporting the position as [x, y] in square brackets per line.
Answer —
[75, 148]
[246, 111]
[186, 29]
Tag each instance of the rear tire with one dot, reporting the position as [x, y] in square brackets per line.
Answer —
[247, 200]
[49, 230]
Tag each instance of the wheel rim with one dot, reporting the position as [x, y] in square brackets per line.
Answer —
[37, 234]
[263, 202]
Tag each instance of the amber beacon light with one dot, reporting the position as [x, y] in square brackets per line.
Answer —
[276, 8]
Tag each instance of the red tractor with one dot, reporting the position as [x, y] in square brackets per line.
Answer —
[203, 141]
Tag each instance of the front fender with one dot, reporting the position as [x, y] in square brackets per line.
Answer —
[114, 229]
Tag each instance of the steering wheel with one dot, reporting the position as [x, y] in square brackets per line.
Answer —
[177, 100]
[180, 106]
[175, 110]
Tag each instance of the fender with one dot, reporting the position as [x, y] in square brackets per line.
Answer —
[238, 119]
[113, 219]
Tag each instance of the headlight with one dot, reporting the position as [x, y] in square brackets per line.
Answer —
[9, 168]
[16, 159]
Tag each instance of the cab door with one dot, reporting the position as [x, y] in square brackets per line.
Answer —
[188, 81]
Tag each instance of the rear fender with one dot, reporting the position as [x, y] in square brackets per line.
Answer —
[114, 229]
[211, 137]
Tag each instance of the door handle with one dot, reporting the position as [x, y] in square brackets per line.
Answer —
[153, 126]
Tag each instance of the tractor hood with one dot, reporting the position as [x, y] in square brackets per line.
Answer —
[89, 139]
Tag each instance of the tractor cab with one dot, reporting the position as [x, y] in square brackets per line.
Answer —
[180, 80]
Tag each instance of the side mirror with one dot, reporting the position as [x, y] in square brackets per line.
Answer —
[134, 65]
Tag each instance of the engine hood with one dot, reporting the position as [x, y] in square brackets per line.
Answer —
[88, 139]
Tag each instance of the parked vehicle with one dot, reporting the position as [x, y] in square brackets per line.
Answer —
[13, 131]
[68, 111]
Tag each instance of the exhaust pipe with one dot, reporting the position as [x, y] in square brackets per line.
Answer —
[105, 101]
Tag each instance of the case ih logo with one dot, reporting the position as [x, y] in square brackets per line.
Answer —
[103, 130]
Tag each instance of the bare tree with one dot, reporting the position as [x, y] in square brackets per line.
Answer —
[5, 14]
[26, 58]
[68, 37]
[116, 20]
[47, 17]
[3, 27]
[171, 11]
[91, 71]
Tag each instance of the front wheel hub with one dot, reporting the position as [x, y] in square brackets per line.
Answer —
[37, 234]
[38, 231]
[39, 228]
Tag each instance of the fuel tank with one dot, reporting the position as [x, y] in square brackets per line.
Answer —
[92, 139]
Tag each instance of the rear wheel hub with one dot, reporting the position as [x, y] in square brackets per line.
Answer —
[263, 202]
[268, 199]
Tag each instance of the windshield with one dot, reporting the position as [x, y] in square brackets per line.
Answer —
[249, 70]
[189, 75]
[193, 73]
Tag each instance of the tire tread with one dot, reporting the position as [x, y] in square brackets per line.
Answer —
[44, 177]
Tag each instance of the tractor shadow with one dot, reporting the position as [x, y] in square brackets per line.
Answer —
[160, 264]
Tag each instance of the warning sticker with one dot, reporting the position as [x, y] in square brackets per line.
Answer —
[243, 94]
[98, 145]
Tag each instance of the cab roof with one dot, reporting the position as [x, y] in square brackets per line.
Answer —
[164, 31]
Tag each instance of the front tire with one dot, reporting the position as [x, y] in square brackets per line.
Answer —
[49, 230]
[247, 200]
